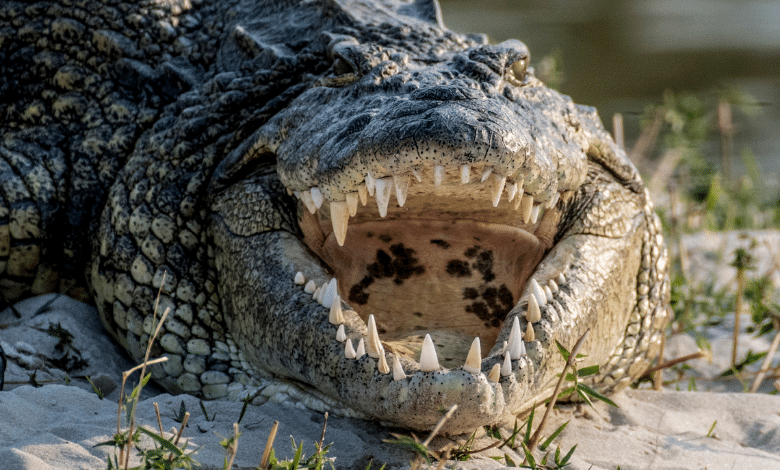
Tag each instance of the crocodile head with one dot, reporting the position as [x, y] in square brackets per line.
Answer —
[422, 190]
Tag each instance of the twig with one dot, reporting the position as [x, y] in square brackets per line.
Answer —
[438, 426]
[674, 362]
[665, 170]
[233, 450]
[775, 259]
[737, 313]
[181, 428]
[726, 127]
[617, 130]
[418, 462]
[322, 437]
[159, 420]
[569, 363]
[767, 361]
[646, 140]
[269, 445]
[658, 378]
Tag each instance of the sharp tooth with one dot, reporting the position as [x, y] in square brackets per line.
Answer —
[526, 206]
[382, 366]
[374, 347]
[535, 213]
[503, 347]
[341, 335]
[352, 202]
[538, 292]
[401, 187]
[370, 183]
[363, 193]
[323, 289]
[438, 175]
[339, 217]
[494, 374]
[349, 352]
[299, 279]
[336, 316]
[511, 191]
[465, 174]
[474, 359]
[552, 285]
[383, 188]
[316, 295]
[533, 314]
[289, 191]
[308, 202]
[561, 279]
[361, 349]
[498, 187]
[329, 293]
[552, 202]
[515, 346]
[310, 287]
[316, 197]
[486, 173]
[398, 371]
[548, 293]
[416, 172]
[297, 194]
[506, 367]
[529, 333]
[428, 360]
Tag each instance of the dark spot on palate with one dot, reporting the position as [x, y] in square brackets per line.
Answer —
[400, 264]
[484, 264]
[458, 268]
[494, 306]
[440, 243]
[472, 252]
[418, 314]
[470, 293]
[385, 238]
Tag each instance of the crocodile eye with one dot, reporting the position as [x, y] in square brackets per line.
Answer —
[518, 70]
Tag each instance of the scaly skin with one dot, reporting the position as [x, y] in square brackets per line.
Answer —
[213, 151]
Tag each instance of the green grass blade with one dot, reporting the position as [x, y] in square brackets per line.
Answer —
[562, 350]
[549, 440]
[165, 443]
[597, 395]
[590, 370]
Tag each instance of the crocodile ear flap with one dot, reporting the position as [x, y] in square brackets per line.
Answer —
[251, 154]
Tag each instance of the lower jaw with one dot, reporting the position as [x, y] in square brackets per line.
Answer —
[415, 401]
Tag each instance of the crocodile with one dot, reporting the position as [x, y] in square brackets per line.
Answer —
[339, 204]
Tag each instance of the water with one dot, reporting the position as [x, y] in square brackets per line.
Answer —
[621, 55]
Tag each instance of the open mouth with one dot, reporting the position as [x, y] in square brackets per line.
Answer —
[435, 258]
[440, 266]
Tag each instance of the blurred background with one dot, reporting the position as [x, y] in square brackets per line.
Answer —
[697, 84]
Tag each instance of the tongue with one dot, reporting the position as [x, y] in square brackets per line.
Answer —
[417, 275]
